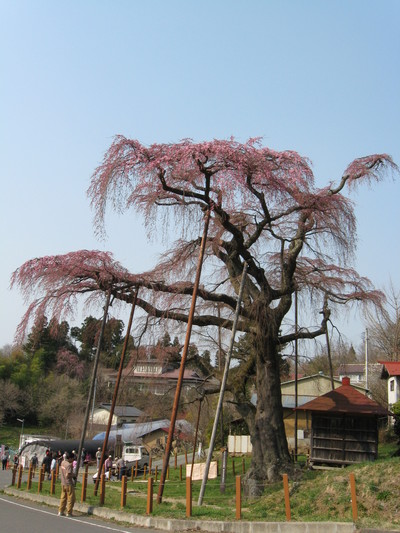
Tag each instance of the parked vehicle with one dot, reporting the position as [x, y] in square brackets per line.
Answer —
[132, 453]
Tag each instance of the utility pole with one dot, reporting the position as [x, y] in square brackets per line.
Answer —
[366, 358]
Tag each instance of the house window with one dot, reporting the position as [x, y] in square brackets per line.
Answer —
[391, 385]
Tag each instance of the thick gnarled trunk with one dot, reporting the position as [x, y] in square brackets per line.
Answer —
[271, 460]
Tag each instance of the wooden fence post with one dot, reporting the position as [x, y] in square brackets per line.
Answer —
[238, 498]
[176, 459]
[123, 490]
[40, 482]
[353, 497]
[84, 486]
[19, 480]
[156, 473]
[30, 475]
[287, 500]
[144, 472]
[102, 488]
[149, 506]
[188, 497]
[53, 482]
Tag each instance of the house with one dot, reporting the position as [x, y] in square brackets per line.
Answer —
[158, 377]
[356, 372]
[391, 372]
[344, 426]
[152, 434]
[308, 388]
[122, 414]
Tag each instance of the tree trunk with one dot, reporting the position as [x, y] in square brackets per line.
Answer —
[271, 460]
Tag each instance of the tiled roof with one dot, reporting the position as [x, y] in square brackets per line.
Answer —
[351, 368]
[390, 368]
[345, 399]
[122, 410]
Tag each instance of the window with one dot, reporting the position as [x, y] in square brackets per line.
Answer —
[391, 385]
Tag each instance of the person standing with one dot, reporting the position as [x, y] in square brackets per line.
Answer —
[34, 463]
[47, 463]
[98, 457]
[53, 466]
[4, 458]
[67, 499]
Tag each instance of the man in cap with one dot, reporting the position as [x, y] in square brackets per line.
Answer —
[67, 486]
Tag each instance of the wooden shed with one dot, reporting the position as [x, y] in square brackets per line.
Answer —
[344, 426]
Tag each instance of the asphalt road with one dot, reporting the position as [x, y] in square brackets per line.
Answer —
[19, 517]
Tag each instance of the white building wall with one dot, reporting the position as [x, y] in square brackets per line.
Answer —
[393, 390]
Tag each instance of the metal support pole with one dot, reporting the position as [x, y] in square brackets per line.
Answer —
[223, 386]
[183, 361]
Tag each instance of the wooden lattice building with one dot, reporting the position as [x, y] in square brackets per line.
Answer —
[344, 426]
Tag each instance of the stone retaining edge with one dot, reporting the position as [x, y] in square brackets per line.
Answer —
[211, 526]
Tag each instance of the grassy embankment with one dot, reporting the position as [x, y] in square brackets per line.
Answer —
[319, 495]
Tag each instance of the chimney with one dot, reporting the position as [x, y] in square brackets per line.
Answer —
[346, 380]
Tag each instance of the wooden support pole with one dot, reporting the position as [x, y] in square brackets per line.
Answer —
[132, 471]
[353, 497]
[124, 484]
[84, 486]
[144, 472]
[136, 469]
[149, 506]
[287, 500]
[176, 459]
[14, 474]
[179, 383]
[150, 463]
[117, 384]
[188, 497]
[91, 388]
[156, 473]
[238, 498]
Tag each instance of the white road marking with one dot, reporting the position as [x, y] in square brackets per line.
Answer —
[74, 518]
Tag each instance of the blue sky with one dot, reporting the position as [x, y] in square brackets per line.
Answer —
[318, 77]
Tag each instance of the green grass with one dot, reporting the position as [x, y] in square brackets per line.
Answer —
[318, 495]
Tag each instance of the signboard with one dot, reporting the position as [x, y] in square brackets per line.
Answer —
[199, 469]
